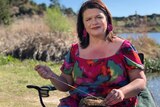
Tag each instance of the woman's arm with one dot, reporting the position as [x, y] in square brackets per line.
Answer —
[137, 84]
[58, 81]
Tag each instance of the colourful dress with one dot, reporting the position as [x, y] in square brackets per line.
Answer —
[99, 76]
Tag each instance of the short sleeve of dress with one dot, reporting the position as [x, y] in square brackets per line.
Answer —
[68, 63]
[131, 57]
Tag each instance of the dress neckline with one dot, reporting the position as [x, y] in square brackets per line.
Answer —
[103, 58]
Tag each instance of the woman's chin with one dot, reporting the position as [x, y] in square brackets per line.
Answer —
[97, 34]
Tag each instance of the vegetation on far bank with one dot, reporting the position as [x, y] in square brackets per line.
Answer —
[137, 23]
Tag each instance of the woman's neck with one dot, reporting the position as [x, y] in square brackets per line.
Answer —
[96, 41]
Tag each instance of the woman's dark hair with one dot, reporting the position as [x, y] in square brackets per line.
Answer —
[90, 4]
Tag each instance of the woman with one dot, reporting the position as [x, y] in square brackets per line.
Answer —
[100, 65]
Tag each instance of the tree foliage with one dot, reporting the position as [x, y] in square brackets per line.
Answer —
[54, 3]
[10, 8]
[4, 12]
[17, 2]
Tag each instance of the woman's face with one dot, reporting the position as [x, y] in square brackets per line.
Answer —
[95, 22]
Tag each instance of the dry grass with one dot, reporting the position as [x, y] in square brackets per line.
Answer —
[26, 24]
[20, 30]
[147, 46]
[24, 29]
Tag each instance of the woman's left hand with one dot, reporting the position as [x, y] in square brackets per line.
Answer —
[114, 97]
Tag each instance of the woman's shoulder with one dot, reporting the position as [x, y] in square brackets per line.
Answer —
[119, 41]
[74, 46]
[123, 42]
[125, 45]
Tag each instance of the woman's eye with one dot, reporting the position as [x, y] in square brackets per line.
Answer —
[88, 19]
[100, 17]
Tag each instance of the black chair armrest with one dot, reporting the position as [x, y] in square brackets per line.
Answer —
[141, 56]
[43, 90]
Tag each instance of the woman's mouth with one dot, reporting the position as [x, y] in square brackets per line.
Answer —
[96, 27]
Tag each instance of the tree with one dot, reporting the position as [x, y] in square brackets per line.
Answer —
[42, 6]
[4, 12]
[55, 3]
[68, 11]
[17, 2]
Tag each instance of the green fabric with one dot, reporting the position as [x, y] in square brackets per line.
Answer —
[145, 99]
[134, 64]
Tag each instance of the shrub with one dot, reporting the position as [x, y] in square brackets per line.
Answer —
[152, 65]
[6, 59]
[4, 12]
[57, 21]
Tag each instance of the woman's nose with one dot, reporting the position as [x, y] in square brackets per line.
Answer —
[94, 21]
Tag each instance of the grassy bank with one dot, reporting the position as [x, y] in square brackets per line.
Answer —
[15, 75]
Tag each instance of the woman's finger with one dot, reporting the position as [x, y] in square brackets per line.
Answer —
[116, 97]
[110, 96]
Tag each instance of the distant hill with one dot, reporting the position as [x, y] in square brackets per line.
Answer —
[137, 23]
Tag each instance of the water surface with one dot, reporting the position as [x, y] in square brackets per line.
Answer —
[153, 35]
[153, 80]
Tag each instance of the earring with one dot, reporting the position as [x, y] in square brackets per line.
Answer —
[84, 33]
[109, 27]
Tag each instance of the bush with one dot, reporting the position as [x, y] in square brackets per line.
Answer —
[4, 12]
[152, 65]
[57, 21]
[6, 59]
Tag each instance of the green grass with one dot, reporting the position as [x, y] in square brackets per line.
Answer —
[152, 65]
[15, 75]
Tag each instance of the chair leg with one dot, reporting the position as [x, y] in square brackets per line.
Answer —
[41, 100]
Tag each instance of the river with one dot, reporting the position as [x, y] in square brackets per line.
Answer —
[153, 35]
[153, 79]
[153, 84]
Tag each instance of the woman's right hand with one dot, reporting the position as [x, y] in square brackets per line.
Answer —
[44, 71]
